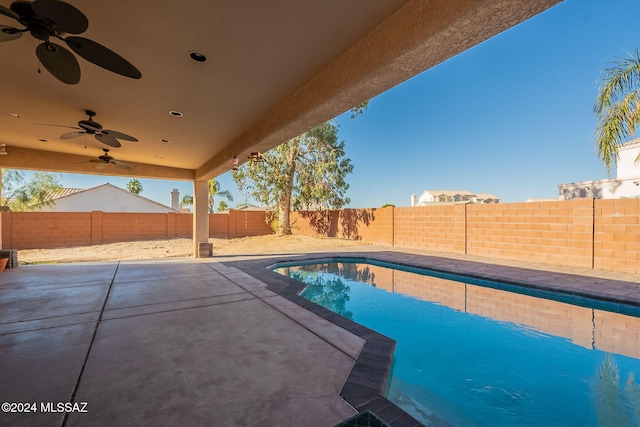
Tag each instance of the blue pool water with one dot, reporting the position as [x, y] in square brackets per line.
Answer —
[472, 354]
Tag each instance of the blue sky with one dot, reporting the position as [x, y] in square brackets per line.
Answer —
[511, 116]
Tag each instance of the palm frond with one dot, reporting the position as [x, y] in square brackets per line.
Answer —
[617, 107]
[623, 77]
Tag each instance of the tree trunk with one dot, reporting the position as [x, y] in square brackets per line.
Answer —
[284, 206]
[284, 216]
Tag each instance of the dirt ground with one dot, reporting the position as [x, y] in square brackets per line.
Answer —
[179, 247]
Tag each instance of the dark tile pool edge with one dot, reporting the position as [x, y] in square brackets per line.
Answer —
[609, 290]
[365, 385]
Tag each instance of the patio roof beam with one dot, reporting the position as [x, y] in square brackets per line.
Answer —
[51, 161]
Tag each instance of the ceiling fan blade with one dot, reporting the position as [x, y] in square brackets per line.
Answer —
[9, 33]
[59, 62]
[102, 57]
[23, 9]
[96, 161]
[60, 126]
[67, 18]
[8, 12]
[119, 135]
[108, 140]
[72, 135]
[122, 165]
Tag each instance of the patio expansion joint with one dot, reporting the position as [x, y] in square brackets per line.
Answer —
[50, 317]
[74, 285]
[111, 310]
[125, 279]
[62, 325]
[173, 301]
[93, 338]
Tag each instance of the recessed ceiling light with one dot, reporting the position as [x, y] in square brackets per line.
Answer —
[165, 141]
[197, 56]
[13, 114]
[158, 157]
[176, 113]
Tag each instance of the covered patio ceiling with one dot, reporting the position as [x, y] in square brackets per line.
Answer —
[274, 69]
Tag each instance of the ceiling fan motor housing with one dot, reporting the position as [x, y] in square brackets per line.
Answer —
[90, 126]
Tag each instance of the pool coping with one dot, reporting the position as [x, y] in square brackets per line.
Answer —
[365, 386]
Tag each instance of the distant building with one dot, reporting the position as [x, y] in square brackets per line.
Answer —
[105, 198]
[430, 197]
[626, 184]
[540, 200]
[250, 207]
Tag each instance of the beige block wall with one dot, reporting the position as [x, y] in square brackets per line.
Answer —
[601, 234]
[617, 235]
[432, 228]
[558, 233]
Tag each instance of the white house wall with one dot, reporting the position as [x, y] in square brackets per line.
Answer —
[106, 199]
[601, 189]
[627, 166]
[425, 197]
[625, 185]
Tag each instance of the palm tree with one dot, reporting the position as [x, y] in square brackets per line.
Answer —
[617, 107]
[186, 201]
[214, 190]
[134, 186]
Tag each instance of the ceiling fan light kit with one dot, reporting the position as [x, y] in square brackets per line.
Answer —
[46, 19]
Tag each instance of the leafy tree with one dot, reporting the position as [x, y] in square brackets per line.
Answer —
[186, 201]
[214, 190]
[20, 194]
[617, 107]
[134, 186]
[222, 206]
[305, 173]
[359, 109]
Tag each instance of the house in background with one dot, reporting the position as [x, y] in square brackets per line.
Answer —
[626, 184]
[105, 198]
[250, 207]
[429, 197]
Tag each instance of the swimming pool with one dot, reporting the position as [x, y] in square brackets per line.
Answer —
[475, 353]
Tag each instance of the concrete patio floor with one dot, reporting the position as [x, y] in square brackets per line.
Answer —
[180, 342]
[219, 341]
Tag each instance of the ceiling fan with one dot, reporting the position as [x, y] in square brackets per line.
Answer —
[91, 127]
[105, 160]
[45, 19]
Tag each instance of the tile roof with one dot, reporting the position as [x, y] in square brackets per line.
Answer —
[56, 193]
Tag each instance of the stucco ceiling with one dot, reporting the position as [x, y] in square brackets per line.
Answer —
[274, 69]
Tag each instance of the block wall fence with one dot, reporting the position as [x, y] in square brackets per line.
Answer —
[600, 234]
[47, 230]
[589, 233]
